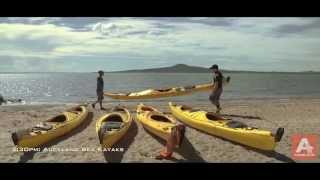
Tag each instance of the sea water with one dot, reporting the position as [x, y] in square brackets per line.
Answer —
[35, 88]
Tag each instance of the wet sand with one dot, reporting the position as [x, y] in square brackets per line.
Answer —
[295, 115]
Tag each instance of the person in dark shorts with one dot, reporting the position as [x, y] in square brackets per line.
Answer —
[217, 88]
[2, 100]
[100, 89]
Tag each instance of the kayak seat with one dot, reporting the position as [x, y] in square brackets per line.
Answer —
[160, 118]
[164, 90]
[236, 124]
[114, 118]
[212, 117]
[42, 127]
[107, 127]
[187, 108]
[60, 118]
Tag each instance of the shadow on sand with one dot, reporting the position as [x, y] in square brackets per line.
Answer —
[125, 142]
[29, 155]
[275, 155]
[272, 154]
[186, 150]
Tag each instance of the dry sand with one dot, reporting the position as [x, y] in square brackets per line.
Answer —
[295, 115]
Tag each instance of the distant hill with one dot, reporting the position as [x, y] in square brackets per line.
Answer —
[183, 68]
[178, 68]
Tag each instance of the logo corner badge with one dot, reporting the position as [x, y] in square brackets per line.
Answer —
[304, 147]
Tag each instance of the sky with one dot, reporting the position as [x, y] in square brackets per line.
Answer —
[89, 44]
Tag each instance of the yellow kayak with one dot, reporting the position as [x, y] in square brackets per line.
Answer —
[155, 121]
[149, 93]
[160, 93]
[113, 126]
[50, 129]
[209, 86]
[232, 130]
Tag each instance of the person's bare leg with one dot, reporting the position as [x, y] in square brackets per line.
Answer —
[172, 141]
[218, 108]
[180, 135]
[94, 104]
[100, 102]
[101, 107]
[168, 150]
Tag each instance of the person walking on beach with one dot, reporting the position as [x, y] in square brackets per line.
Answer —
[100, 88]
[217, 87]
[1, 100]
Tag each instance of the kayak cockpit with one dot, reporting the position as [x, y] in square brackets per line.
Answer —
[164, 90]
[160, 118]
[213, 117]
[75, 110]
[58, 119]
[112, 123]
[145, 108]
[113, 118]
[187, 108]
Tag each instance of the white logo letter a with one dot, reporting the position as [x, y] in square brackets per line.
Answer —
[304, 145]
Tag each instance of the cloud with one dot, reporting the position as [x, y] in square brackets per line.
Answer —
[130, 27]
[38, 40]
[32, 20]
[111, 29]
[232, 42]
[222, 21]
[288, 29]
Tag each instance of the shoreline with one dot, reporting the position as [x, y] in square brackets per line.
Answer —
[161, 100]
[296, 115]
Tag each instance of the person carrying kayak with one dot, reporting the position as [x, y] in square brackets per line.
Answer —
[100, 89]
[217, 87]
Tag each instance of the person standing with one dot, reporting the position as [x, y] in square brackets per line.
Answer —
[217, 87]
[100, 88]
[2, 100]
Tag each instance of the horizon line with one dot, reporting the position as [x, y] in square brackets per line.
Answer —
[172, 66]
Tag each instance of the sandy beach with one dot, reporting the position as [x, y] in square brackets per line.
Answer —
[295, 115]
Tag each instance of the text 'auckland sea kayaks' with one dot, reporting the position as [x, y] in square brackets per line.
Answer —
[113, 126]
[166, 92]
[50, 129]
[235, 131]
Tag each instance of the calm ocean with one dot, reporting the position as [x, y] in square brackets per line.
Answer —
[78, 87]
